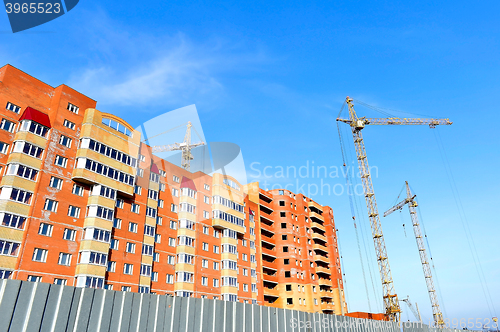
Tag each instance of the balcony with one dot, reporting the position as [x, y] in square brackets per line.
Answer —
[266, 210]
[316, 226]
[269, 252]
[270, 279]
[319, 236]
[326, 294]
[320, 269]
[314, 205]
[264, 197]
[266, 220]
[327, 306]
[267, 232]
[268, 245]
[321, 259]
[325, 282]
[320, 247]
[317, 216]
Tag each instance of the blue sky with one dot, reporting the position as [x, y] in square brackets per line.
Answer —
[272, 77]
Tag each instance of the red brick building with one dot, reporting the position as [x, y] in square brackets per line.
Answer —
[83, 202]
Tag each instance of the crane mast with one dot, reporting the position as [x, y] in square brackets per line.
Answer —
[391, 303]
[416, 312]
[185, 147]
[412, 206]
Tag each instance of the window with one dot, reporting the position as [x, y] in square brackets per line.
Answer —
[171, 241]
[173, 224]
[153, 194]
[74, 211]
[130, 248]
[58, 281]
[158, 238]
[132, 227]
[284, 237]
[217, 214]
[45, 229]
[282, 214]
[231, 184]
[69, 124]
[12, 220]
[176, 179]
[229, 265]
[77, 190]
[216, 266]
[154, 277]
[228, 203]
[161, 203]
[61, 161]
[171, 260]
[185, 259]
[186, 207]
[282, 203]
[204, 263]
[244, 257]
[175, 192]
[204, 281]
[285, 249]
[13, 108]
[137, 190]
[205, 246]
[34, 278]
[206, 187]
[149, 230]
[64, 259]
[9, 248]
[96, 167]
[128, 268]
[4, 147]
[229, 281]
[156, 257]
[69, 234]
[72, 108]
[185, 241]
[55, 183]
[97, 234]
[114, 244]
[185, 223]
[170, 278]
[173, 207]
[117, 223]
[7, 125]
[150, 212]
[126, 289]
[28, 148]
[205, 230]
[159, 220]
[206, 199]
[92, 257]
[162, 187]
[99, 212]
[216, 249]
[245, 272]
[185, 277]
[119, 203]
[145, 270]
[289, 301]
[288, 288]
[287, 274]
[283, 225]
[65, 141]
[134, 208]
[216, 282]
[116, 126]
[245, 287]
[15, 194]
[206, 215]
[140, 172]
[39, 255]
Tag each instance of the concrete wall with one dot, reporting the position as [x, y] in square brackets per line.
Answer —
[27, 306]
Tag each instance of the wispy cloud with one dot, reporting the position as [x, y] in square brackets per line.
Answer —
[130, 67]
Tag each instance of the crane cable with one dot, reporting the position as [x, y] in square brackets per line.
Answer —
[164, 132]
[342, 148]
[465, 224]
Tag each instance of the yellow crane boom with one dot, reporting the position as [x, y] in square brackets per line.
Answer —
[391, 303]
[412, 205]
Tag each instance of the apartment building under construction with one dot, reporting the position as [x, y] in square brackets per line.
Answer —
[84, 202]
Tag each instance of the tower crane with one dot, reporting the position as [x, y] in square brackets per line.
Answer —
[391, 303]
[185, 147]
[412, 205]
[416, 312]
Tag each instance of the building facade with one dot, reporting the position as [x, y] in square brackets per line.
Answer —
[83, 202]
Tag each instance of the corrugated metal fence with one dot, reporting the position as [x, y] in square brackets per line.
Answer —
[27, 306]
